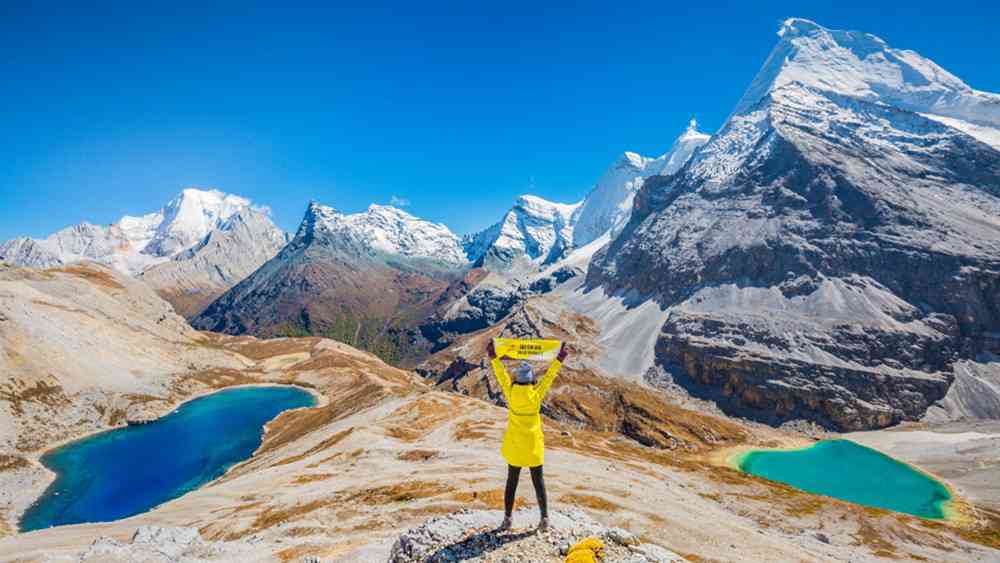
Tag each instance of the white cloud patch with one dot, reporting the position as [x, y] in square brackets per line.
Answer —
[397, 201]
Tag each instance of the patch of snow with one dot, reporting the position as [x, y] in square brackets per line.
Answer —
[984, 134]
[578, 257]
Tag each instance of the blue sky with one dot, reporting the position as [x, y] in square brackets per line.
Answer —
[111, 108]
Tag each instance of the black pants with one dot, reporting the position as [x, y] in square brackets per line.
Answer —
[537, 479]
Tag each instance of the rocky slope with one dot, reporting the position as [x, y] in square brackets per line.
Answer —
[195, 277]
[84, 334]
[833, 250]
[191, 250]
[364, 279]
[82, 348]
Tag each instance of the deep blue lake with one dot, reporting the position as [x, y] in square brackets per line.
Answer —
[127, 471]
[852, 472]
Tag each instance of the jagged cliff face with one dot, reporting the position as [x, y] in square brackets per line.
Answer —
[364, 279]
[834, 249]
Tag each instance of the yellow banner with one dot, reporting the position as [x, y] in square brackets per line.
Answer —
[527, 348]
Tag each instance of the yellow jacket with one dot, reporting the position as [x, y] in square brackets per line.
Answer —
[524, 443]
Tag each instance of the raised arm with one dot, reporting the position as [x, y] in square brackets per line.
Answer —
[551, 373]
[499, 371]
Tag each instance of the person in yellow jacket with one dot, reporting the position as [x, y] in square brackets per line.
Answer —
[524, 443]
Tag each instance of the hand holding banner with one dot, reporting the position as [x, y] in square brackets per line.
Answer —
[538, 349]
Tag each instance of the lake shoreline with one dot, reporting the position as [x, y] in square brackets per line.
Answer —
[35, 457]
[954, 509]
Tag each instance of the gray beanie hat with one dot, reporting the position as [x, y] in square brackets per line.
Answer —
[524, 374]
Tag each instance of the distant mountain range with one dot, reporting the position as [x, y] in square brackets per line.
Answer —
[378, 279]
[191, 250]
[203, 242]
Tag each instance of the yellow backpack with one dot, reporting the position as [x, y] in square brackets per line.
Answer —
[589, 550]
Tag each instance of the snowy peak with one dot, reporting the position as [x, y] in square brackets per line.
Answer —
[384, 229]
[630, 160]
[842, 84]
[540, 232]
[545, 210]
[861, 65]
[680, 152]
[135, 243]
[609, 204]
[188, 218]
[535, 230]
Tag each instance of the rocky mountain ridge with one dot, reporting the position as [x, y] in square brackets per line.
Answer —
[537, 233]
[364, 279]
[832, 251]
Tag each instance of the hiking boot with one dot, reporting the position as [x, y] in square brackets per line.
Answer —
[505, 525]
[543, 524]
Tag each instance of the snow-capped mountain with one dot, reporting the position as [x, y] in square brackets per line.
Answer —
[535, 230]
[835, 247]
[864, 67]
[132, 243]
[198, 245]
[392, 231]
[363, 278]
[189, 218]
[109, 245]
[608, 206]
[198, 275]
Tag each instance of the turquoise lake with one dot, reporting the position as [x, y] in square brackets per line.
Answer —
[127, 471]
[851, 472]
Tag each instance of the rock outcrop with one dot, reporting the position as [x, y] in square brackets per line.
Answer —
[490, 300]
[472, 535]
[158, 544]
